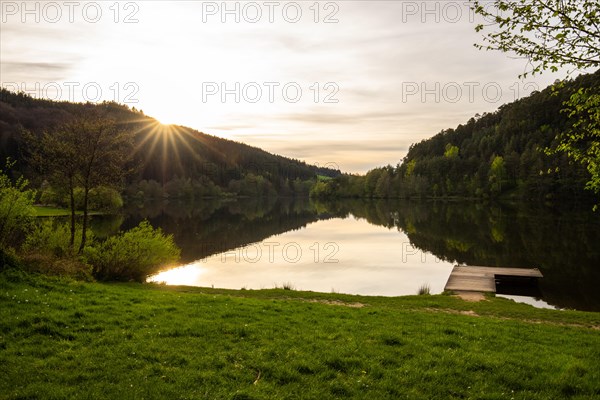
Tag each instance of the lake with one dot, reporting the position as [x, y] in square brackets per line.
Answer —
[386, 248]
[345, 255]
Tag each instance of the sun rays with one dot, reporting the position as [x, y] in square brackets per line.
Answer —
[173, 145]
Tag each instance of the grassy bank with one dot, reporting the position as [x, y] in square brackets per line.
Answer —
[47, 211]
[66, 339]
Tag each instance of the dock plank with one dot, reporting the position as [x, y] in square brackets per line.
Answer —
[505, 271]
[483, 279]
[471, 284]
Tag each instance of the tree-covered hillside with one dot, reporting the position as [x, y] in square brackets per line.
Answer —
[497, 154]
[168, 160]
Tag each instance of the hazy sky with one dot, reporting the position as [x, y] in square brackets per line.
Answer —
[350, 83]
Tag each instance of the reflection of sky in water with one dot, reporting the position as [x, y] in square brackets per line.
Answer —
[528, 300]
[343, 255]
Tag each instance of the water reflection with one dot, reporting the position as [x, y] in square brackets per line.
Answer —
[385, 248]
[342, 255]
[538, 303]
[213, 226]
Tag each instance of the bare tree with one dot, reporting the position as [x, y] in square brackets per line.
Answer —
[85, 152]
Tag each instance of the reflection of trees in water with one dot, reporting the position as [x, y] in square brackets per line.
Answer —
[563, 244]
[213, 226]
[106, 225]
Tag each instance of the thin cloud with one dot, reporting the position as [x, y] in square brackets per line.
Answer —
[332, 118]
[43, 71]
[35, 67]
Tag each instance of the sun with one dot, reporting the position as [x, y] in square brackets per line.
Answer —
[166, 120]
[164, 124]
[166, 113]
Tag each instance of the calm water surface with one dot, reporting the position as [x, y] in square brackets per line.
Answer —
[377, 247]
[345, 255]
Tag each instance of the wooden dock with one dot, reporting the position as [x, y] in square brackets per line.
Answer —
[483, 279]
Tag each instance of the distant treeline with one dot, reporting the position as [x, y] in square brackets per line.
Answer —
[169, 161]
[493, 155]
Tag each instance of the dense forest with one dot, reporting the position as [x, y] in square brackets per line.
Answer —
[169, 161]
[500, 154]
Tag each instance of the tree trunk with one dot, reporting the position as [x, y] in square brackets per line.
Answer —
[72, 201]
[86, 191]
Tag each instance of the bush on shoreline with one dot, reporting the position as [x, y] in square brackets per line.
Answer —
[132, 255]
[46, 250]
[129, 256]
[16, 207]
[51, 238]
[9, 260]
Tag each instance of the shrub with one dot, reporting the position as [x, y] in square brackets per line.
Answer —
[16, 207]
[52, 238]
[50, 196]
[44, 263]
[46, 250]
[133, 255]
[9, 260]
[103, 198]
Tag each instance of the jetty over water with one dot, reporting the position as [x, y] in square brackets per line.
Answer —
[483, 279]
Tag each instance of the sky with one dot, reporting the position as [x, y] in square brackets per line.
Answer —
[347, 84]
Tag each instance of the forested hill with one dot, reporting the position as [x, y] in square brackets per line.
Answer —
[496, 154]
[178, 159]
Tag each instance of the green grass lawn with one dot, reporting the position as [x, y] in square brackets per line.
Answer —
[46, 211]
[65, 339]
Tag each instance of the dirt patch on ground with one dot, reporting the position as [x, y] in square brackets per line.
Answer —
[529, 321]
[336, 303]
[556, 323]
[470, 296]
[470, 313]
